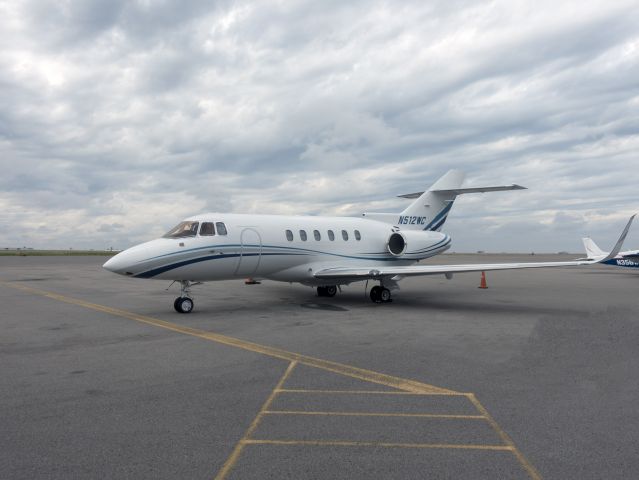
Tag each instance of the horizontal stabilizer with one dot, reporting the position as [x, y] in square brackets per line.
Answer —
[461, 191]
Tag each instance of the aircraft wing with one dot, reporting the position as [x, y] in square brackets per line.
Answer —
[373, 272]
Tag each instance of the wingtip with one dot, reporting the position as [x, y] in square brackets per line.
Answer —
[615, 251]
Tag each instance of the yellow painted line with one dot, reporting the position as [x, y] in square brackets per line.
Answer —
[331, 443]
[532, 471]
[370, 392]
[235, 455]
[339, 368]
[374, 414]
[408, 386]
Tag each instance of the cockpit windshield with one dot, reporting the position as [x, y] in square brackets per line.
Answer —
[184, 229]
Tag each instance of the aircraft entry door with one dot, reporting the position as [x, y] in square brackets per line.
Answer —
[250, 252]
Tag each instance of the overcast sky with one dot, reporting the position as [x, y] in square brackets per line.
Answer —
[120, 118]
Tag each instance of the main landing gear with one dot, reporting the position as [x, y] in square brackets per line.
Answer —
[184, 303]
[380, 294]
[327, 291]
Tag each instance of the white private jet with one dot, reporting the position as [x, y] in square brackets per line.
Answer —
[628, 259]
[323, 252]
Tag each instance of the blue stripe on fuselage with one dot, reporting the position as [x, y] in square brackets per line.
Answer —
[622, 262]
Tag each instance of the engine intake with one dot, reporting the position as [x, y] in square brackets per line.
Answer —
[396, 244]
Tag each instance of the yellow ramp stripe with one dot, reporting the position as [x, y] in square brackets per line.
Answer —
[339, 368]
[330, 443]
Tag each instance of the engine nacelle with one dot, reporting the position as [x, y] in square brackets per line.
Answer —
[415, 242]
[396, 244]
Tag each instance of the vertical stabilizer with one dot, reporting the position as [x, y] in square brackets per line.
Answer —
[592, 250]
[430, 210]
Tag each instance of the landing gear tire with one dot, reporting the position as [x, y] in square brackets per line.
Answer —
[380, 294]
[385, 295]
[328, 291]
[183, 305]
[376, 294]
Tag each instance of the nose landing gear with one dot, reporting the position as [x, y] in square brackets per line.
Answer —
[184, 303]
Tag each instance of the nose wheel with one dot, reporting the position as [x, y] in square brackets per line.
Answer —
[184, 303]
[380, 294]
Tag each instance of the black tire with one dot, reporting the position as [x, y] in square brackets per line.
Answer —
[385, 295]
[321, 292]
[376, 294]
[175, 304]
[184, 305]
[331, 290]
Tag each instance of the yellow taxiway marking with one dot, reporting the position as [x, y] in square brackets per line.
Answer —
[232, 460]
[369, 392]
[407, 386]
[337, 443]
[339, 368]
[374, 414]
[532, 471]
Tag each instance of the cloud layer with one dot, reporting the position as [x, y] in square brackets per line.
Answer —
[117, 119]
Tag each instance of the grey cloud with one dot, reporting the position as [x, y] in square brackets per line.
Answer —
[111, 108]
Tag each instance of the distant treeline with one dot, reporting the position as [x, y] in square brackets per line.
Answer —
[41, 253]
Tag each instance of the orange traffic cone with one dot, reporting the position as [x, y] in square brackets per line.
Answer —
[483, 284]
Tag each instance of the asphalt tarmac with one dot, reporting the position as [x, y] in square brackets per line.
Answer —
[535, 377]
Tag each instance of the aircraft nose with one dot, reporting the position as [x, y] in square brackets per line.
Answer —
[117, 264]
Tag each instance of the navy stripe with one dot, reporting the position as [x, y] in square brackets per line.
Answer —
[423, 250]
[172, 266]
[440, 224]
[443, 212]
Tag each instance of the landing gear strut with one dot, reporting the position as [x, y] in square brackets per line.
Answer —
[184, 303]
[327, 291]
[380, 294]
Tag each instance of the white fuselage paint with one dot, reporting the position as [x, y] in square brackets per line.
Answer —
[256, 246]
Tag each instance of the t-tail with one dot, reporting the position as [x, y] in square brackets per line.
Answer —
[430, 209]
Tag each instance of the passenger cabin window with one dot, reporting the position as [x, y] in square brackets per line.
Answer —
[317, 235]
[331, 235]
[207, 229]
[358, 237]
[183, 229]
[345, 235]
[289, 235]
[303, 235]
[221, 228]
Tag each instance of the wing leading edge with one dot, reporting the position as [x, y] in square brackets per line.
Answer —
[373, 272]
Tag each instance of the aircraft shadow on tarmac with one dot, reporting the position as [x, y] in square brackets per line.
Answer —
[411, 303]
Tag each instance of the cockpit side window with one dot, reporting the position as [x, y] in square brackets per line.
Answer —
[207, 229]
[183, 229]
[221, 228]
